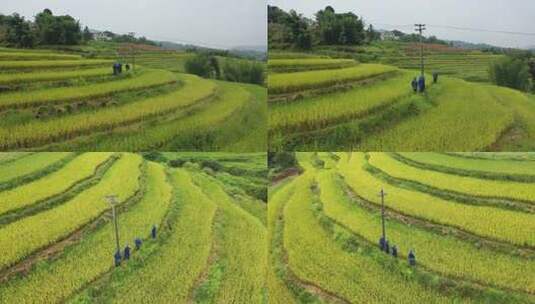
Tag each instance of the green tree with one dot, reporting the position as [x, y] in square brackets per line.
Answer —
[511, 72]
[18, 31]
[86, 35]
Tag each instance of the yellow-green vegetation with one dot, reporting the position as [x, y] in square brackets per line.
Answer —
[17, 78]
[90, 258]
[122, 179]
[354, 277]
[77, 103]
[326, 223]
[146, 79]
[468, 185]
[56, 183]
[292, 82]
[31, 164]
[499, 224]
[51, 64]
[322, 111]
[289, 65]
[464, 165]
[372, 107]
[209, 247]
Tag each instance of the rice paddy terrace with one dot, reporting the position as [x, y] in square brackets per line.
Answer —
[471, 65]
[322, 103]
[209, 245]
[469, 221]
[63, 101]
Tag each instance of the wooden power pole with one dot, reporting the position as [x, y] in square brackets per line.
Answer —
[420, 28]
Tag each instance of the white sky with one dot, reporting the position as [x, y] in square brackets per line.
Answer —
[502, 15]
[214, 23]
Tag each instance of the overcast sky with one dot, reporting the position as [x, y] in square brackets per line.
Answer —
[501, 15]
[214, 23]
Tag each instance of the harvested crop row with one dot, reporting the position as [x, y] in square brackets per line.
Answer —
[33, 98]
[322, 111]
[293, 82]
[462, 184]
[497, 224]
[29, 165]
[294, 55]
[169, 274]
[451, 125]
[438, 252]
[15, 78]
[80, 168]
[52, 64]
[92, 256]
[356, 277]
[64, 128]
[442, 161]
[121, 179]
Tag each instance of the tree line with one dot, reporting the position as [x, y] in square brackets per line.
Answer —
[293, 30]
[210, 65]
[49, 29]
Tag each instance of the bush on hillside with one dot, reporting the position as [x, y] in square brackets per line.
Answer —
[512, 73]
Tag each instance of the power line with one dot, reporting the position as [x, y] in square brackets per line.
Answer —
[459, 28]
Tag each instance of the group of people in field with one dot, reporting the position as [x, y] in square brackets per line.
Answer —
[418, 83]
[385, 246]
[118, 68]
[118, 257]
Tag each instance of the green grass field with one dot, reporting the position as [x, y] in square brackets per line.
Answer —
[325, 224]
[69, 100]
[211, 229]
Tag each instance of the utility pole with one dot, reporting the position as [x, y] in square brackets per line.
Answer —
[112, 199]
[382, 194]
[420, 28]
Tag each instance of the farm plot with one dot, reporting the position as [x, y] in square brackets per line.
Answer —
[295, 65]
[77, 102]
[210, 236]
[327, 221]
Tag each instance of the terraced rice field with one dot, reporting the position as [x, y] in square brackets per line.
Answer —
[58, 240]
[371, 107]
[61, 102]
[324, 226]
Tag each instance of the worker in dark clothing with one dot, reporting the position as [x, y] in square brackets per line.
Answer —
[115, 71]
[127, 66]
[387, 247]
[127, 252]
[421, 84]
[414, 85]
[382, 244]
[412, 258]
[117, 258]
[120, 68]
[138, 243]
[435, 77]
[153, 232]
[395, 251]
